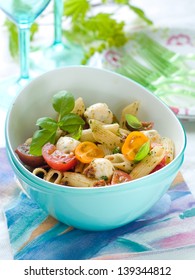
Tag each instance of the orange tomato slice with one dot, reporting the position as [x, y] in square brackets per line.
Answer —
[87, 151]
[133, 143]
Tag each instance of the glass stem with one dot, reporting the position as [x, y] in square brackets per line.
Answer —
[58, 10]
[24, 45]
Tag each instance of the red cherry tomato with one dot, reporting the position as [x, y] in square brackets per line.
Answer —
[120, 177]
[23, 153]
[57, 159]
[160, 165]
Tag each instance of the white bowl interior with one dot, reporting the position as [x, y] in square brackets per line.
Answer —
[94, 85]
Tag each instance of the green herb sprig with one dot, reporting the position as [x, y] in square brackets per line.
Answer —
[142, 152]
[63, 103]
[133, 121]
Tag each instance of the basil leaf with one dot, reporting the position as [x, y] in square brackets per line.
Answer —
[63, 102]
[143, 151]
[71, 122]
[40, 138]
[77, 133]
[133, 121]
[47, 123]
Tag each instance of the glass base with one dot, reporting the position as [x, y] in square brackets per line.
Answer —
[56, 56]
[9, 89]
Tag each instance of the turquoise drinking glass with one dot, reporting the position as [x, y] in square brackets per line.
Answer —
[60, 53]
[23, 13]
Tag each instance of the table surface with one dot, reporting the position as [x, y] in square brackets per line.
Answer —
[167, 13]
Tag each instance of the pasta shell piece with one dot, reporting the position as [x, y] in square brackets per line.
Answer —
[119, 161]
[104, 136]
[79, 107]
[169, 148]
[132, 109]
[77, 180]
[87, 134]
[54, 176]
[40, 172]
[145, 166]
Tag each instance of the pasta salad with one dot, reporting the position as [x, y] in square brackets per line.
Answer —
[89, 147]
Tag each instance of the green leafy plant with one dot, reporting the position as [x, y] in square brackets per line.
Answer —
[95, 32]
[100, 31]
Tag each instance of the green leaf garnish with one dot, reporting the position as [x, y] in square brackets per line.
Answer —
[143, 151]
[133, 121]
[63, 103]
[71, 122]
[40, 138]
[47, 123]
[77, 134]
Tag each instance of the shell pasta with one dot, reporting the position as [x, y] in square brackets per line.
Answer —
[104, 151]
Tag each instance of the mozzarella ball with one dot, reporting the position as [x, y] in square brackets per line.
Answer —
[67, 144]
[100, 112]
[100, 168]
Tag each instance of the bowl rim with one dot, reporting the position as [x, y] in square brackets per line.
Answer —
[34, 178]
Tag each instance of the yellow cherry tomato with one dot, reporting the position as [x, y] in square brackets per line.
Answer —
[87, 151]
[133, 143]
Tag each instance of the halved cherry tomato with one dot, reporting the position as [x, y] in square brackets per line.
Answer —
[23, 153]
[87, 151]
[133, 143]
[120, 177]
[57, 159]
[160, 165]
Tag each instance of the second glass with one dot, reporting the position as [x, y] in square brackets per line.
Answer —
[58, 54]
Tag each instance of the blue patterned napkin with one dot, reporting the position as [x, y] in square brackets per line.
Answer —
[170, 224]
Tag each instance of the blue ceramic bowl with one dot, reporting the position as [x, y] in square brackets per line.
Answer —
[99, 208]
